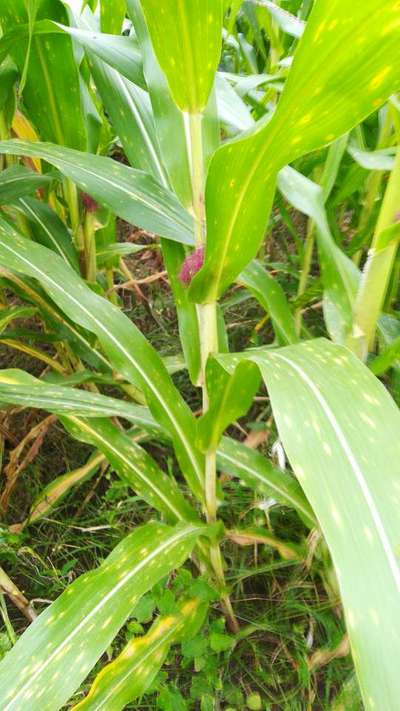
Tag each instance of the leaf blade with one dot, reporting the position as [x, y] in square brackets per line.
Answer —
[187, 40]
[66, 633]
[338, 425]
[125, 346]
[243, 173]
[131, 194]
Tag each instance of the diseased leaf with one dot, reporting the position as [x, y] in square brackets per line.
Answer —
[52, 90]
[230, 398]
[257, 472]
[66, 635]
[17, 181]
[131, 194]
[134, 466]
[54, 492]
[127, 349]
[187, 39]
[339, 274]
[272, 298]
[326, 94]
[256, 536]
[132, 672]
[339, 427]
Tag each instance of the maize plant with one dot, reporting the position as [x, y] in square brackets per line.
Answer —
[222, 110]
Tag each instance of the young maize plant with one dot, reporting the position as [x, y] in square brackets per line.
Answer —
[70, 81]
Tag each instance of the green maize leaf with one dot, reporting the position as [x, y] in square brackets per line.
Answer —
[7, 315]
[96, 127]
[17, 181]
[132, 117]
[187, 40]
[120, 249]
[388, 357]
[106, 239]
[233, 8]
[287, 22]
[31, 7]
[254, 536]
[348, 698]
[134, 466]
[131, 194]
[339, 274]
[129, 109]
[244, 84]
[58, 650]
[171, 139]
[326, 94]
[272, 298]
[133, 671]
[260, 474]
[121, 53]
[127, 349]
[169, 122]
[130, 461]
[373, 160]
[112, 15]
[54, 492]
[171, 133]
[52, 90]
[57, 489]
[20, 388]
[339, 427]
[234, 458]
[8, 78]
[230, 398]
[379, 267]
[83, 342]
[48, 229]
[233, 113]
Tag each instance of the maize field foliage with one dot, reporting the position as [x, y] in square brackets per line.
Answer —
[226, 115]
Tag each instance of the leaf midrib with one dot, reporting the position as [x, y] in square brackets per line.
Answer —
[352, 459]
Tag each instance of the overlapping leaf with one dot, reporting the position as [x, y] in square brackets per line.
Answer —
[135, 467]
[17, 181]
[339, 274]
[66, 635]
[125, 346]
[272, 298]
[52, 88]
[48, 229]
[132, 672]
[327, 93]
[339, 428]
[20, 388]
[259, 474]
[131, 194]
